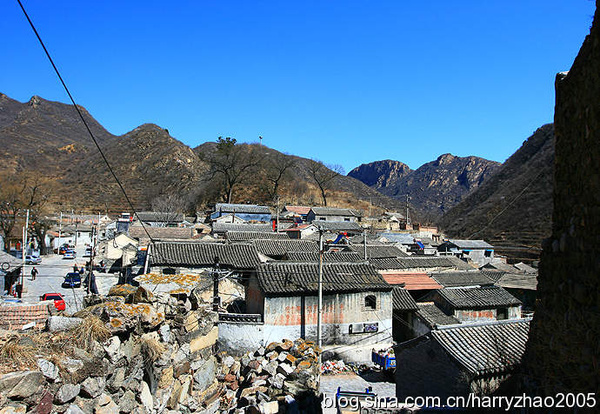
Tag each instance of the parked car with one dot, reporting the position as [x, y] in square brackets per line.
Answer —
[59, 302]
[72, 279]
[88, 252]
[69, 254]
[32, 260]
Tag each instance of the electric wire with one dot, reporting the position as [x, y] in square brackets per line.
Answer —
[83, 119]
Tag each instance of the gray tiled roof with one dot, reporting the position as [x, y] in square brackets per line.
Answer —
[417, 262]
[252, 235]
[471, 244]
[514, 281]
[378, 251]
[225, 227]
[278, 248]
[466, 278]
[238, 256]
[493, 275]
[242, 208]
[282, 278]
[402, 300]
[157, 216]
[434, 316]
[346, 257]
[330, 211]
[338, 225]
[402, 238]
[485, 349]
[161, 233]
[478, 298]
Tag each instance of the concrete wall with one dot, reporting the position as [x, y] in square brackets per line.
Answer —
[238, 338]
[312, 217]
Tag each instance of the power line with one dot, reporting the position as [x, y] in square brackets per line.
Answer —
[83, 119]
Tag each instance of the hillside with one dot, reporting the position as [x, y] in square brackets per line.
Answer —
[434, 187]
[49, 140]
[513, 208]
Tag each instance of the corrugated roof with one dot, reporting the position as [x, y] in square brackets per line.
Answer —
[412, 281]
[402, 300]
[378, 251]
[347, 257]
[513, 281]
[471, 244]
[338, 225]
[485, 349]
[434, 316]
[242, 208]
[467, 278]
[252, 235]
[331, 211]
[421, 262]
[477, 298]
[278, 248]
[238, 256]
[225, 227]
[280, 278]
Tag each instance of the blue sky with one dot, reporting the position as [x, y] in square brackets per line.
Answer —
[347, 82]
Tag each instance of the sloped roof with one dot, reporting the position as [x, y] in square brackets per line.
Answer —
[471, 244]
[351, 226]
[478, 298]
[516, 281]
[238, 256]
[9, 262]
[157, 216]
[252, 235]
[493, 275]
[282, 278]
[525, 268]
[466, 278]
[421, 262]
[402, 300]
[412, 281]
[278, 248]
[490, 348]
[504, 267]
[301, 210]
[161, 233]
[242, 208]
[434, 316]
[347, 257]
[225, 227]
[379, 251]
[402, 238]
[331, 211]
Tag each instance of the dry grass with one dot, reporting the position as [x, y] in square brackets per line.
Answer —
[91, 330]
[16, 354]
[152, 348]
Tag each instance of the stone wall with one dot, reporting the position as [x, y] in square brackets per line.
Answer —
[563, 352]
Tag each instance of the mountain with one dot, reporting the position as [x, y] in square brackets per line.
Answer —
[48, 139]
[513, 208]
[434, 187]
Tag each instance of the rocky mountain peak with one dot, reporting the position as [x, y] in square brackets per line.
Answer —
[445, 159]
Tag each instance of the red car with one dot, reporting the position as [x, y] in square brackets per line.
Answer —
[59, 302]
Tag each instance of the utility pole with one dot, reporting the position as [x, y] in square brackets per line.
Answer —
[24, 250]
[320, 302]
[407, 220]
[59, 231]
[147, 259]
[365, 243]
[277, 214]
[215, 275]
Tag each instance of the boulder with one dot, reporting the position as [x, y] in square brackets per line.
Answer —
[48, 369]
[127, 402]
[67, 393]
[205, 374]
[93, 386]
[14, 409]
[146, 397]
[113, 349]
[61, 323]
[74, 409]
[21, 384]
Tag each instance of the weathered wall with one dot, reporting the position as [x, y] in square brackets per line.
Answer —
[563, 352]
[237, 338]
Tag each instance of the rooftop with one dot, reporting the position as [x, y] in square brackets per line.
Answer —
[351, 226]
[238, 256]
[252, 235]
[278, 248]
[331, 211]
[471, 244]
[160, 217]
[225, 227]
[421, 262]
[479, 297]
[466, 278]
[402, 300]
[434, 316]
[281, 278]
[378, 251]
[412, 281]
[242, 208]
[346, 257]
[490, 348]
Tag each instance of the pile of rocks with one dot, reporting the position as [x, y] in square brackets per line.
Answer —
[278, 378]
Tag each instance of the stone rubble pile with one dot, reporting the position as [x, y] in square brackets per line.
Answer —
[159, 357]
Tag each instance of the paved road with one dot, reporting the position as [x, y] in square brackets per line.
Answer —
[380, 384]
[51, 275]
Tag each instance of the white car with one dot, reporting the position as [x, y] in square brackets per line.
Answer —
[32, 260]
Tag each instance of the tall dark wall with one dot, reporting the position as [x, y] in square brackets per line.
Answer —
[564, 348]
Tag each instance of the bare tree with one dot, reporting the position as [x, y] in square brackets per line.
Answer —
[10, 204]
[277, 170]
[324, 175]
[230, 163]
[168, 207]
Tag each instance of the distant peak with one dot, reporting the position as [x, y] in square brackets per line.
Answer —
[35, 101]
[445, 159]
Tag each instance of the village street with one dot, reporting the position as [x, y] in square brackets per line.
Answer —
[51, 275]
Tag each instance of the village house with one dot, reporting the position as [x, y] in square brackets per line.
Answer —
[471, 304]
[357, 304]
[219, 229]
[301, 231]
[428, 317]
[143, 234]
[237, 236]
[462, 359]
[333, 214]
[277, 249]
[469, 278]
[334, 228]
[297, 213]
[118, 252]
[247, 212]
[328, 256]
[478, 251]
[10, 270]
[377, 251]
[160, 219]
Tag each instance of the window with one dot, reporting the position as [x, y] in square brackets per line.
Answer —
[346, 219]
[323, 218]
[370, 302]
[502, 314]
[488, 253]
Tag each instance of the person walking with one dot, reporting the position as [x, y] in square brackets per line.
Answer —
[19, 289]
[34, 273]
